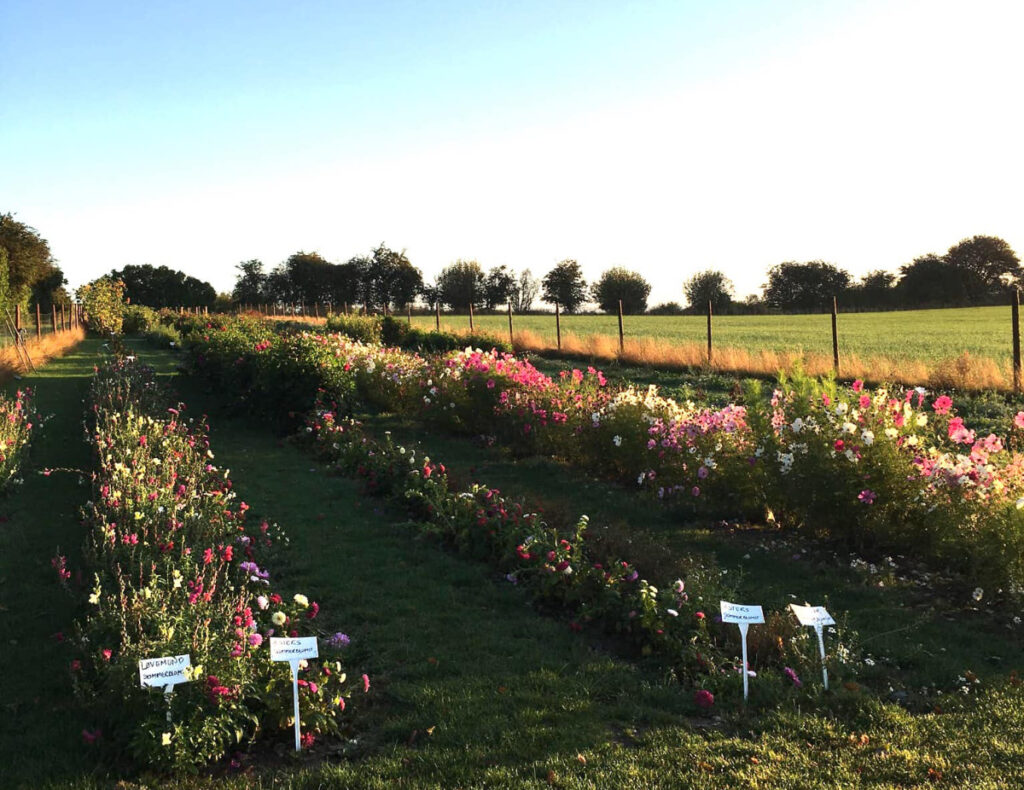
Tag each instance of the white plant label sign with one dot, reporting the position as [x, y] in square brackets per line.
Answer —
[293, 650]
[742, 615]
[817, 618]
[165, 672]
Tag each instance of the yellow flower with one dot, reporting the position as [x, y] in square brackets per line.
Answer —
[166, 739]
[301, 600]
[278, 618]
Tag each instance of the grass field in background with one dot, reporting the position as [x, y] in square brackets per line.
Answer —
[912, 334]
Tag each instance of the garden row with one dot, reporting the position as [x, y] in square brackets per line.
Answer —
[563, 569]
[16, 424]
[171, 568]
[886, 471]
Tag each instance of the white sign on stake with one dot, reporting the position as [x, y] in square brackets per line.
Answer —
[743, 616]
[817, 618]
[165, 673]
[293, 650]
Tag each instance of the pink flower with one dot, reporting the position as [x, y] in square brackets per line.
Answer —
[858, 385]
[366, 683]
[699, 615]
[704, 699]
[91, 736]
[107, 653]
[942, 404]
[867, 496]
[341, 703]
[695, 491]
[314, 610]
[308, 739]
[255, 640]
[1018, 421]
[791, 674]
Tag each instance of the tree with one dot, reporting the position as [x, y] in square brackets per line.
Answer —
[498, 287]
[565, 286]
[930, 280]
[250, 286]
[103, 304]
[804, 286]
[31, 269]
[708, 286]
[461, 284]
[392, 280]
[525, 291]
[990, 259]
[876, 289]
[161, 286]
[619, 284]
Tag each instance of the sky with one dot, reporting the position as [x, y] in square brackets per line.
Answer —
[666, 137]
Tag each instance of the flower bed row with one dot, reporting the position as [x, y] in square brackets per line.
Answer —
[893, 471]
[16, 423]
[172, 567]
[563, 570]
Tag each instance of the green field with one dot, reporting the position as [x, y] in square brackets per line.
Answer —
[925, 335]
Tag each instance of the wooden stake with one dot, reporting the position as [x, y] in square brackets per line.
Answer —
[709, 332]
[558, 328]
[470, 316]
[1015, 315]
[437, 316]
[835, 338]
[511, 337]
[39, 322]
[622, 339]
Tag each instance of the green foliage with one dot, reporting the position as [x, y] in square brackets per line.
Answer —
[396, 332]
[804, 286]
[160, 286]
[564, 285]
[461, 284]
[708, 286]
[621, 285]
[103, 301]
[365, 328]
[139, 319]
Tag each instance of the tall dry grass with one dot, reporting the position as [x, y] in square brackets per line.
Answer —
[965, 372]
[40, 351]
[962, 372]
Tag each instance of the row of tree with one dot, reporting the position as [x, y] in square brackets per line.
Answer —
[29, 274]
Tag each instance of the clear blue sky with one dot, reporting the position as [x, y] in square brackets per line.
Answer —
[665, 136]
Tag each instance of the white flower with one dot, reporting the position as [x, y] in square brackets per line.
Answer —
[1020, 503]
[841, 409]
[640, 479]
[798, 425]
[262, 601]
[278, 618]
[301, 600]
[617, 440]
[868, 437]
[849, 427]
[672, 612]
[892, 433]
[922, 420]
[977, 594]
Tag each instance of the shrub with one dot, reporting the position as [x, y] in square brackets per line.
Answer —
[103, 302]
[139, 319]
[365, 328]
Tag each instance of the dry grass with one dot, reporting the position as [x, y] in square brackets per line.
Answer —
[40, 351]
[962, 372]
[299, 319]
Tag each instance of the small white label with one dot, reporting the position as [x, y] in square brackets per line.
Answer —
[812, 615]
[737, 613]
[293, 649]
[163, 672]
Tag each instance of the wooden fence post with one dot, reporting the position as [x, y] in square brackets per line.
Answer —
[53, 314]
[1015, 316]
[17, 319]
[470, 316]
[835, 338]
[511, 337]
[408, 313]
[437, 316]
[39, 322]
[622, 340]
[558, 327]
[316, 309]
[63, 326]
[709, 332]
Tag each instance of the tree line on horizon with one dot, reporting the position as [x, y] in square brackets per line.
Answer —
[974, 271]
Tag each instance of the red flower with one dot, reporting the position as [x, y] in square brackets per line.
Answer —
[704, 699]
[699, 615]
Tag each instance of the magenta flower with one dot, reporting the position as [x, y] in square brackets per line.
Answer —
[704, 699]
[791, 674]
[942, 404]
[867, 496]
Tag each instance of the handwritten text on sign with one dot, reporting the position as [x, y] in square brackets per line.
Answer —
[812, 615]
[737, 613]
[294, 649]
[163, 672]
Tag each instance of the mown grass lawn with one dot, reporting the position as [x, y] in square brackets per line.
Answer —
[470, 686]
